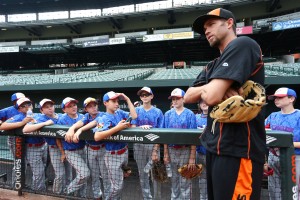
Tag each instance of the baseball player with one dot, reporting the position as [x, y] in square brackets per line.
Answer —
[287, 119]
[49, 117]
[178, 155]
[201, 120]
[36, 150]
[7, 113]
[95, 150]
[116, 152]
[74, 152]
[148, 116]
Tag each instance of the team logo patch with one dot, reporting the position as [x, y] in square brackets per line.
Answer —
[151, 137]
[100, 125]
[225, 64]
[270, 139]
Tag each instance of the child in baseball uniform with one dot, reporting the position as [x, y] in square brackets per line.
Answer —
[148, 117]
[201, 120]
[287, 119]
[95, 150]
[36, 149]
[178, 155]
[116, 152]
[7, 113]
[74, 152]
[49, 117]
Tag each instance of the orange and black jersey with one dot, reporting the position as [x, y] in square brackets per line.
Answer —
[240, 61]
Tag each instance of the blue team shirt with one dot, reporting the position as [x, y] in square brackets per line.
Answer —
[66, 120]
[201, 120]
[43, 118]
[28, 140]
[8, 112]
[87, 119]
[286, 122]
[108, 121]
[153, 117]
[186, 120]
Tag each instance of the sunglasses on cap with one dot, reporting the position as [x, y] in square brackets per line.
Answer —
[145, 95]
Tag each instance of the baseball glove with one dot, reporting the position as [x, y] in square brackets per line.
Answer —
[237, 109]
[187, 173]
[159, 172]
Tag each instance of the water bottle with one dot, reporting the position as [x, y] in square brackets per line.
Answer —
[168, 169]
[29, 113]
[148, 167]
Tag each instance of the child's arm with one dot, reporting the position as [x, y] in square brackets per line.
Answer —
[70, 133]
[33, 127]
[60, 146]
[88, 126]
[13, 125]
[166, 154]
[100, 135]
[130, 106]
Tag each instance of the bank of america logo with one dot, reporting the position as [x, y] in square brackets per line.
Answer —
[270, 139]
[61, 132]
[151, 137]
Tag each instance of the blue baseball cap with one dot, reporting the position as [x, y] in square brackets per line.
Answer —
[177, 92]
[110, 95]
[67, 101]
[283, 92]
[17, 96]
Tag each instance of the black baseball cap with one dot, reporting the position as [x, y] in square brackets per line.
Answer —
[216, 13]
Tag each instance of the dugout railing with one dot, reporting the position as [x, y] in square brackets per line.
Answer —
[275, 139]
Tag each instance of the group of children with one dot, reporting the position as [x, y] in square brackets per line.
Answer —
[95, 158]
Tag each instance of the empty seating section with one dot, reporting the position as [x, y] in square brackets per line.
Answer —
[190, 73]
[280, 69]
[137, 66]
[72, 77]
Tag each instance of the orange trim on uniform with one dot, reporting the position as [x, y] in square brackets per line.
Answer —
[219, 140]
[249, 140]
[243, 186]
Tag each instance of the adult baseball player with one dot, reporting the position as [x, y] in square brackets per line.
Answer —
[179, 155]
[95, 150]
[148, 117]
[116, 152]
[74, 152]
[49, 117]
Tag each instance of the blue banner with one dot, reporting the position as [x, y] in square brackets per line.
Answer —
[277, 26]
[94, 43]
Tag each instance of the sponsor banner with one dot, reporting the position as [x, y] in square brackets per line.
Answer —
[15, 43]
[244, 30]
[84, 39]
[94, 43]
[277, 26]
[113, 41]
[9, 49]
[44, 42]
[168, 36]
[131, 35]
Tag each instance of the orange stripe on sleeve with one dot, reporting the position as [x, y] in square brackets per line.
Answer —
[243, 186]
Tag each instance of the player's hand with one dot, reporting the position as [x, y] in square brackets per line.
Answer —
[146, 127]
[76, 136]
[69, 136]
[123, 96]
[154, 156]
[49, 122]
[232, 92]
[27, 119]
[166, 159]
[63, 157]
[123, 124]
[191, 164]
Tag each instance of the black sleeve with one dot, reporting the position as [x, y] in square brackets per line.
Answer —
[238, 61]
[201, 79]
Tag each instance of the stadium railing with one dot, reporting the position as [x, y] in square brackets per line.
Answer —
[275, 139]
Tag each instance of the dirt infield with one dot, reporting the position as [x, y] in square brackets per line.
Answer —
[13, 195]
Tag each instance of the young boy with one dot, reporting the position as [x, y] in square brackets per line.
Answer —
[95, 150]
[148, 116]
[287, 119]
[36, 150]
[178, 155]
[74, 152]
[116, 152]
[49, 117]
[201, 120]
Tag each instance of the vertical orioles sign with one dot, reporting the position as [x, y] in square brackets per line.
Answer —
[18, 163]
[294, 188]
